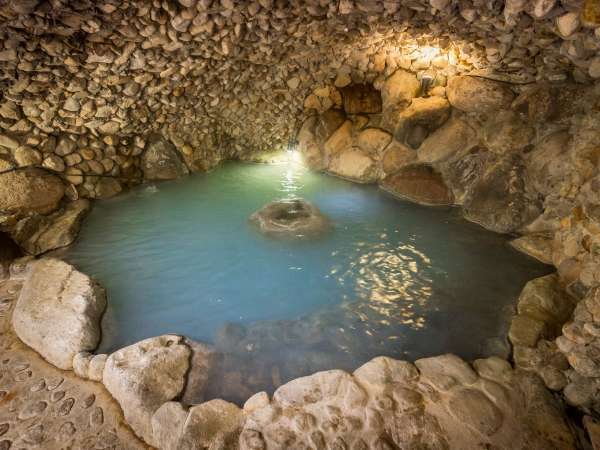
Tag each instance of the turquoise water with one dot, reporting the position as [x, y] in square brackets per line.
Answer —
[391, 278]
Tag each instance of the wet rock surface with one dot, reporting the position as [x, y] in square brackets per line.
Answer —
[290, 218]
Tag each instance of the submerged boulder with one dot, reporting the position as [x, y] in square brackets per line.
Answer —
[58, 311]
[293, 218]
[161, 161]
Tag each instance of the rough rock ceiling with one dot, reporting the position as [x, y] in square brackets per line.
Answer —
[235, 74]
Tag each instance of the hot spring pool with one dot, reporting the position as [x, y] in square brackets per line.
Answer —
[391, 278]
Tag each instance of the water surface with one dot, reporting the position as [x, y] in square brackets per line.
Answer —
[391, 278]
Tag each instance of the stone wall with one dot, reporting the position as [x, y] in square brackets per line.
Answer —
[88, 88]
[85, 82]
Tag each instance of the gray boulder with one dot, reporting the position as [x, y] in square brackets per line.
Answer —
[161, 161]
[58, 311]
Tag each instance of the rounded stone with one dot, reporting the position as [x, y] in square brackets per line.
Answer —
[290, 218]
[30, 190]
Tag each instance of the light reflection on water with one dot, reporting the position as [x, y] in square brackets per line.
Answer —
[391, 278]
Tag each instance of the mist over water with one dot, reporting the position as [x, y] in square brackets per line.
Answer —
[391, 278]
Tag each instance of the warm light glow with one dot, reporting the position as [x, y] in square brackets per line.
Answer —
[429, 52]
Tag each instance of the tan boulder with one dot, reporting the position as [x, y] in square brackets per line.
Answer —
[399, 89]
[213, 424]
[30, 191]
[478, 95]
[506, 133]
[340, 140]
[396, 156]
[161, 161]
[39, 234]
[354, 165]
[373, 141]
[454, 139]
[327, 123]
[423, 116]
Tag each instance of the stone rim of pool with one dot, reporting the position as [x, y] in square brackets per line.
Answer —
[167, 365]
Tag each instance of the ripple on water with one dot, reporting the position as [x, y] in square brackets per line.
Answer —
[392, 278]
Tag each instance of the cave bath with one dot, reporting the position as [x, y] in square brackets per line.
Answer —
[390, 278]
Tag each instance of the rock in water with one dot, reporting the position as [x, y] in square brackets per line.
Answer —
[290, 218]
[161, 161]
[58, 311]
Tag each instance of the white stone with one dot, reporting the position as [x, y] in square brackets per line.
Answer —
[58, 311]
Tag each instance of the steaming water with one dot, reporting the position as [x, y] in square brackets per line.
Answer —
[391, 278]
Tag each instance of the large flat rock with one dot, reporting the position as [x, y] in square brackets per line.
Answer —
[58, 312]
